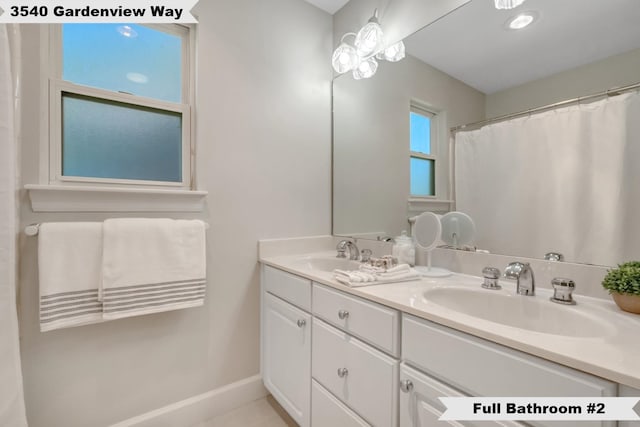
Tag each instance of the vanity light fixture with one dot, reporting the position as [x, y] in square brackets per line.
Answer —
[345, 57]
[521, 20]
[369, 44]
[508, 4]
[370, 38]
[365, 69]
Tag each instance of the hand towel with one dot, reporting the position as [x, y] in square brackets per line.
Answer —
[398, 268]
[152, 265]
[70, 269]
[368, 275]
[354, 275]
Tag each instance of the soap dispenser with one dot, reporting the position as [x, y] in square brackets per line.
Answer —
[404, 250]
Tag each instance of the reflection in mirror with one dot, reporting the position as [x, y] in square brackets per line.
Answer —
[465, 68]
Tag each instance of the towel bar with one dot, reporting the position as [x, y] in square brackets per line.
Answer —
[33, 229]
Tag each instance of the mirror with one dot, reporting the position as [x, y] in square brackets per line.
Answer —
[465, 68]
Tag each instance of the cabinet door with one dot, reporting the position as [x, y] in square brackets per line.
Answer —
[420, 406]
[287, 356]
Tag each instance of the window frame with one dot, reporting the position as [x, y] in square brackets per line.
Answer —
[57, 86]
[433, 143]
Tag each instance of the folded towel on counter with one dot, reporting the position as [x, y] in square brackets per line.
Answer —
[354, 276]
[152, 265]
[70, 272]
[400, 268]
[368, 275]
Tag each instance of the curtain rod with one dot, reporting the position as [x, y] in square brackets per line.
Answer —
[610, 92]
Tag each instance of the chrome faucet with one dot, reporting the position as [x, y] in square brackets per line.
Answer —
[342, 247]
[522, 273]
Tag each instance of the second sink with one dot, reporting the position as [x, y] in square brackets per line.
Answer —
[534, 314]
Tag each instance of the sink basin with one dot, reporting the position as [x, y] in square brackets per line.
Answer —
[326, 264]
[535, 314]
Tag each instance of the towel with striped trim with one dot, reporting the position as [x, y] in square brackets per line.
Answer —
[70, 272]
[152, 265]
[92, 271]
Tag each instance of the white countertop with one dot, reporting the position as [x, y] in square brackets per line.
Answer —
[614, 356]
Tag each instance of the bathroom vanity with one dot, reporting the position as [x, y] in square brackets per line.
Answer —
[382, 355]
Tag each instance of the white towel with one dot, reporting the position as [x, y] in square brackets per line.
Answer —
[152, 265]
[70, 268]
[375, 270]
[354, 276]
[368, 275]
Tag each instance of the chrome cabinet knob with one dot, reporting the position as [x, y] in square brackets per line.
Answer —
[406, 386]
[343, 372]
[301, 323]
[343, 314]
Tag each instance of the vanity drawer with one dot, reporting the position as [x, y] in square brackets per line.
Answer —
[327, 411]
[374, 323]
[483, 368]
[362, 377]
[287, 286]
[420, 405]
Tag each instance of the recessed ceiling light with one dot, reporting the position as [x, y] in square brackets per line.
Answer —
[127, 31]
[521, 20]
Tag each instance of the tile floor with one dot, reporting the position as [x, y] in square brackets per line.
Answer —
[260, 413]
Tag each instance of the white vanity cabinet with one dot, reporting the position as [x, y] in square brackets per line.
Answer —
[482, 368]
[420, 405]
[331, 358]
[286, 341]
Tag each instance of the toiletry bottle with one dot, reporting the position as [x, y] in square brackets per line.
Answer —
[404, 250]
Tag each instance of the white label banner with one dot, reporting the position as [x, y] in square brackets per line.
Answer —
[540, 408]
[97, 11]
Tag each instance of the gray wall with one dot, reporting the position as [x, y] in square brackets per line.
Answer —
[263, 153]
[615, 71]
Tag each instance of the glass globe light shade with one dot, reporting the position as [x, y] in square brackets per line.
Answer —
[393, 53]
[344, 58]
[369, 39]
[365, 69]
[508, 4]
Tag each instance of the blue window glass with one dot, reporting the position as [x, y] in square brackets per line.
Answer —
[123, 58]
[422, 177]
[105, 139]
[420, 133]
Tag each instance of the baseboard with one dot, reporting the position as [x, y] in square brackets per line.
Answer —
[202, 407]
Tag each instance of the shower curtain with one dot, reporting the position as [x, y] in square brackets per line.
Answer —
[12, 411]
[566, 180]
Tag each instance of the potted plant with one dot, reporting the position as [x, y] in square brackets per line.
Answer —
[623, 283]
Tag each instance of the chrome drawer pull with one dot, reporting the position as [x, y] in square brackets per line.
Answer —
[301, 323]
[343, 314]
[343, 372]
[406, 386]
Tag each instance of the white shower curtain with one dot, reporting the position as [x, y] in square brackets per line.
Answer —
[566, 181]
[12, 411]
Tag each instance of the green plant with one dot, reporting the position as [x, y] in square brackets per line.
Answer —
[624, 280]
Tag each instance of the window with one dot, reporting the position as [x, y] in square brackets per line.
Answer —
[120, 101]
[423, 145]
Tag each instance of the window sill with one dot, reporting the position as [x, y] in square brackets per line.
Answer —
[417, 205]
[59, 198]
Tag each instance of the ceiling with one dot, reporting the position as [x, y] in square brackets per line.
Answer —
[331, 6]
[472, 45]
